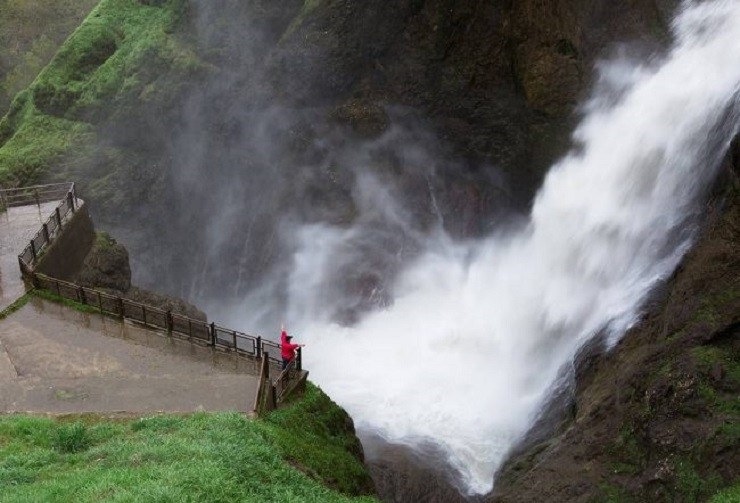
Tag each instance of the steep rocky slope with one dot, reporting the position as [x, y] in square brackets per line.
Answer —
[31, 31]
[459, 106]
[657, 418]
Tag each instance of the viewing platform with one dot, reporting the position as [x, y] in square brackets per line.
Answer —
[110, 354]
[18, 225]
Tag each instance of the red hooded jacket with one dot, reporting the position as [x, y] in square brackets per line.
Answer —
[287, 350]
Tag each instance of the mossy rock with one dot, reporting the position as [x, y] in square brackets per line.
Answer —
[366, 119]
[106, 266]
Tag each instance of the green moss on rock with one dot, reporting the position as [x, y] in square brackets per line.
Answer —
[111, 56]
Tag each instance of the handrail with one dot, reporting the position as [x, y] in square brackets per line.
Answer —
[35, 194]
[264, 400]
[50, 229]
[179, 325]
[290, 373]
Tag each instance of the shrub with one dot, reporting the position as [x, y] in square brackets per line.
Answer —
[71, 438]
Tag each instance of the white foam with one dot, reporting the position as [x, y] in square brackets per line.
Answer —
[478, 332]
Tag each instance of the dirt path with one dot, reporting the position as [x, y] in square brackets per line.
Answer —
[55, 359]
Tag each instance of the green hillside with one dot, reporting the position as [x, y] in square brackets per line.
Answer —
[303, 453]
[31, 31]
[110, 57]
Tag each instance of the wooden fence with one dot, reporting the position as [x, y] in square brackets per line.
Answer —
[270, 393]
[173, 324]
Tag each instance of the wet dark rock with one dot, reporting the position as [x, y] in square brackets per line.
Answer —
[106, 265]
[107, 268]
[165, 303]
[658, 409]
[366, 119]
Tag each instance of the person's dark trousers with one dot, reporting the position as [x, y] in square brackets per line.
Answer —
[285, 363]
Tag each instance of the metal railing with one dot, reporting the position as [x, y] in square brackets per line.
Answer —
[36, 194]
[65, 193]
[271, 393]
[289, 375]
[184, 327]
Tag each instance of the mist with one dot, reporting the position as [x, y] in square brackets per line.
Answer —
[435, 310]
[464, 345]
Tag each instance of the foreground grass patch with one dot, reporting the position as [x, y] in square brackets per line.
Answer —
[317, 435]
[203, 457]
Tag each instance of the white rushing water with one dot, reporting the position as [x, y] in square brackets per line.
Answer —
[478, 332]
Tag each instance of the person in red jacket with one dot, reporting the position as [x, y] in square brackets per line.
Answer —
[287, 349]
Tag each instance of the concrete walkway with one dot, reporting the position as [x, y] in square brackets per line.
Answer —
[55, 359]
[17, 227]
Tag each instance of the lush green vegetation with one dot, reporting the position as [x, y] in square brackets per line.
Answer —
[301, 432]
[729, 495]
[31, 31]
[204, 457]
[111, 56]
[19, 303]
[51, 296]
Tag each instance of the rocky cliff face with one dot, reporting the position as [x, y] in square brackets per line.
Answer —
[106, 267]
[185, 113]
[459, 106]
[31, 31]
[656, 418]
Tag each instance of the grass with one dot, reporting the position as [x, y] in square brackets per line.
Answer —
[612, 494]
[31, 31]
[301, 431]
[104, 241]
[691, 485]
[15, 306]
[729, 495]
[203, 457]
[51, 296]
[110, 57]
[725, 357]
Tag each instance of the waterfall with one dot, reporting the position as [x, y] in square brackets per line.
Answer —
[478, 331]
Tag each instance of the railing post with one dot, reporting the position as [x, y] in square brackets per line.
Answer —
[143, 313]
[59, 219]
[299, 360]
[168, 321]
[33, 250]
[258, 348]
[35, 280]
[81, 295]
[213, 334]
[119, 301]
[266, 364]
[71, 201]
[46, 233]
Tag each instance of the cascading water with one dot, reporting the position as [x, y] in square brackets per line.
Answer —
[479, 331]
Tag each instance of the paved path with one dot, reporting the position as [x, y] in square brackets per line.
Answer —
[58, 360]
[17, 227]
